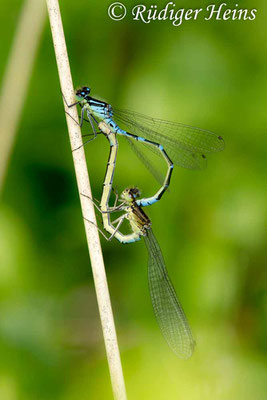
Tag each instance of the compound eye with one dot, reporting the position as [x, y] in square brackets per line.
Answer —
[86, 89]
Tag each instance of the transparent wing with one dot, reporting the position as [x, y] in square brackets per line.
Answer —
[167, 308]
[144, 159]
[185, 145]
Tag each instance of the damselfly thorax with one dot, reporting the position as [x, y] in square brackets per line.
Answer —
[136, 216]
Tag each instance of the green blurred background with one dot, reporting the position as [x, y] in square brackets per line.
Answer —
[211, 226]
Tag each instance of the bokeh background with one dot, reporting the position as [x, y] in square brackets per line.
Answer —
[211, 226]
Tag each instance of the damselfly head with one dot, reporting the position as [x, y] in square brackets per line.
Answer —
[135, 192]
[83, 92]
[130, 194]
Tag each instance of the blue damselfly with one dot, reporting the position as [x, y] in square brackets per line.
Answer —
[180, 144]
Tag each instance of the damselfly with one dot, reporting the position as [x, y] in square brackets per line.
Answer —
[180, 144]
[166, 305]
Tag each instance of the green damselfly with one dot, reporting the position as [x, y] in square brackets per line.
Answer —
[167, 308]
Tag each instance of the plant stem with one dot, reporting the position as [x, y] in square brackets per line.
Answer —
[17, 76]
[88, 212]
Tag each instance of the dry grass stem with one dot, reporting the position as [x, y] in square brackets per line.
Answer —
[88, 212]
